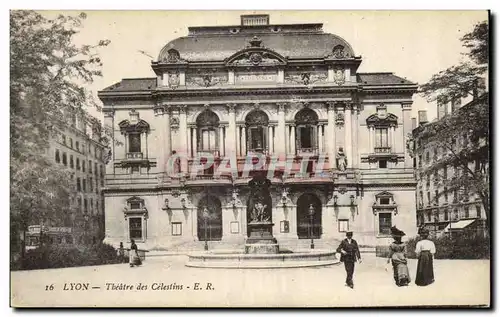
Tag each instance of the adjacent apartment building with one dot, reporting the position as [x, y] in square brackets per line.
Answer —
[79, 149]
[439, 209]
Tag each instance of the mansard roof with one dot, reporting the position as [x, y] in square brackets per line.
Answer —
[302, 41]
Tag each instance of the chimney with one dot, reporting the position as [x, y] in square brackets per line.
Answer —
[422, 117]
[255, 19]
[413, 123]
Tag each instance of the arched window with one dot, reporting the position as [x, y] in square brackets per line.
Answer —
[207, 126]
[306, 121]
[257, 123]
[58, 158]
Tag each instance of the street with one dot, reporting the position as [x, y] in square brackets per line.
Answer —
[164, 281]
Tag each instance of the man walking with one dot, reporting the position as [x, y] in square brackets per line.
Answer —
[349, 251]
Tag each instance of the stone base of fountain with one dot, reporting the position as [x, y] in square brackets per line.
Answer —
[261, 240]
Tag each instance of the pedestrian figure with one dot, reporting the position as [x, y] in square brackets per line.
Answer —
[425, 250]
[397, 255]
[134, 258]
[349, 251]
[121, 253]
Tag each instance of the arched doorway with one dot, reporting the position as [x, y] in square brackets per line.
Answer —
[304, 204]
[209, 219]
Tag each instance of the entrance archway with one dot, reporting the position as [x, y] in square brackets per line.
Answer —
[304, 219]
[209, 219]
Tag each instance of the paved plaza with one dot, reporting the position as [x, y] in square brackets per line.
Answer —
[166, 282]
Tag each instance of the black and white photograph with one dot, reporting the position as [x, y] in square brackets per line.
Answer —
[273, 159]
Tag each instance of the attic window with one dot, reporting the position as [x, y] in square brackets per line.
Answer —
[173, 56]
[234, 31]
[275, 29]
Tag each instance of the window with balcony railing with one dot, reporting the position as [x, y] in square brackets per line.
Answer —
[306, 121]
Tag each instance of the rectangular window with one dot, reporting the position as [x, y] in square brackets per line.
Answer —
[95, 169]
[64, 139]
[84, 185]
[90, 167]
[134, 143]
[77, 146]
[429, 198]
[466, 211]
[71, 142]
[208, 140]
[78, 184]
[478, 211]
[91, 184]
[384, 223]
[257, 138]
[135, 205]
[381, 137]
[135, 228]
[429, 216]
[385, 201]
[382, 164]
[343, 225]
[445, 172]
[446, 214]
[177, 228]
[306, 137]
[83, 165]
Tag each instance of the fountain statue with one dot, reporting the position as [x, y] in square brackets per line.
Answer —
[259, 214]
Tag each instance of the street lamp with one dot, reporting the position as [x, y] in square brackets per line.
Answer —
[205, 218]
[311, 214]
[86, 218]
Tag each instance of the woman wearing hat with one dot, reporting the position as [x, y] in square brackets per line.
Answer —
[425, 250]
[398, 257]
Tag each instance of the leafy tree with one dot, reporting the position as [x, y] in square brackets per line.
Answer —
[47, 77]
[463, 135]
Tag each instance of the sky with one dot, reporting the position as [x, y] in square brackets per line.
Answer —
[412, 44]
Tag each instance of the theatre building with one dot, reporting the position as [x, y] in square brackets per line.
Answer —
[283, 100]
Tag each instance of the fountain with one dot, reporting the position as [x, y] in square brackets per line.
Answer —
[261, 247]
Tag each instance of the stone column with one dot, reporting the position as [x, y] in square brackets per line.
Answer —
[167, 133]
[320, 139]
[221, 140]
[348, 136]
[183, 132]
[293, 149]
[355, 129]
[270, 140]
[370, 140]
[389, 138]
[194, 141]
[243, 141]
[395, 147]
[330, 135]
[281, 76]
[231, 131]
[161, 135]
[280, 148]
[406, 130]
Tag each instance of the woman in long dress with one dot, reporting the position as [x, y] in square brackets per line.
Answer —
[425, 250]
[133, 255]
[398, 257]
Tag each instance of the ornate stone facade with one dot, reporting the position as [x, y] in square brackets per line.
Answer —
[274, 112]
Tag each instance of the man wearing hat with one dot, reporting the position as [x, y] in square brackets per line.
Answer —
[349, 251]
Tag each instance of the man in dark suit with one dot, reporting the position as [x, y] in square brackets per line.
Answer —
[349, 251]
